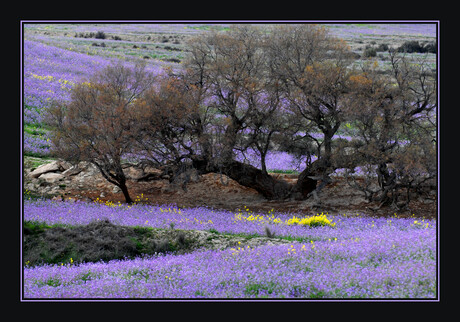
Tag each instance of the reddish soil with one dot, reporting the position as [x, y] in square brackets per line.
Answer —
[223, 193]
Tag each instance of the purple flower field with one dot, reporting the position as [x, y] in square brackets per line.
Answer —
[36, 145]
[50, 72]
[360, 257]
[345, 257]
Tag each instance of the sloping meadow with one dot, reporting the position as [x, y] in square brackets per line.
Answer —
[339, 257]
[302, 256]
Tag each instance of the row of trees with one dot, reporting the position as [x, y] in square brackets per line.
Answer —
[260, 88]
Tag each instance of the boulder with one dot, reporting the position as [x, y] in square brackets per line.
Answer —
[45, 168]
[142, 173]
[88, 169]
[74, 170]
[65, 165]
[51, 177]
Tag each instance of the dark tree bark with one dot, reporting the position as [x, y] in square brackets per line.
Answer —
[249, 176]
[118, 178]
[124, 189]
[305, 185]
[259, 180]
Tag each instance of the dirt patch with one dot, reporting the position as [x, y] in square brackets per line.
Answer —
[221, 192]
[85, 182]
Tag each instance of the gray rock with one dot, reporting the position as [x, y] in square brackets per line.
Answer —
[74, 170]
[45, 168]
[51, 177]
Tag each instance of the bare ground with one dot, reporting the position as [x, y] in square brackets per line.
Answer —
[221, 192]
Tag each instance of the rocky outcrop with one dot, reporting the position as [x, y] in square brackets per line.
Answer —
[55, 177]
[51, 177]
[54, 166]
[59, 178]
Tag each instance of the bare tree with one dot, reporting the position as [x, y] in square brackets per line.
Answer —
[313, 70]
[392, 115]
[261, 83]
[168, 126]
[288, 87]
[231, 68]
[96, 125]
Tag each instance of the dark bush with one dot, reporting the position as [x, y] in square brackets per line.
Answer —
[173, 60]
[414, 47]
[411, 47]
[100, 35]
[431, 48]
[95, 44]
[369, 52]
[382, 47]
[99, 240]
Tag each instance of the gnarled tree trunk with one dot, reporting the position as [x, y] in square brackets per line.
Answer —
[116, 177]
[252, 177]
[249, 176]
[305, 185]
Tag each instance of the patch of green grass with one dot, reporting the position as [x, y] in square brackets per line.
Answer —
[316, 293]
[54, 282]
[254, 289]
[34, 162]
[136, 273]
[200, 293]
[284, 171]
[142, 230]
[34, 129]
[364, 25]
[34, 227]
[86, 276]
